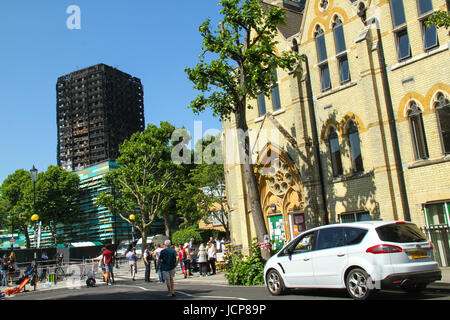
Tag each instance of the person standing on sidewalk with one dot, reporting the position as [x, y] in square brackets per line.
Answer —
[107, 256]
[132, 262]
[147, 262]
[212, 257]
[156, 254]
[5, 266]
[202, 260]
[168, 261]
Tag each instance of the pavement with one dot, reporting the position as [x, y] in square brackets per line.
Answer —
[122, 274]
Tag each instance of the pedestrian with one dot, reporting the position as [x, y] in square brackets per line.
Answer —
[187, 260]
[132, 262]
[44, 261]
[212, 258]
[157, 262]
[180, 257]
[169, 259]
[202, 260]
[108, 262]
[5, 266]
[147, 262]
[101, 265]
[11, 267]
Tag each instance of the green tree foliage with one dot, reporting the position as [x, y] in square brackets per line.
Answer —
[208, 178]
[440, 19]
[145, 179]
[56, 198]
[237, 63]
[183, 236]
[15, 210]
[245, 270]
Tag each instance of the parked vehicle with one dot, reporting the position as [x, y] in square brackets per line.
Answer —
[153, 240]
[361, 257]
[122, 248]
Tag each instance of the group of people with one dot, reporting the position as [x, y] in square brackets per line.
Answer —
[205, 257]
[8, 268]
[166, 257]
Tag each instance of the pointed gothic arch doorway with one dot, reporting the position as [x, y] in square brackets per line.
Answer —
[281, 195]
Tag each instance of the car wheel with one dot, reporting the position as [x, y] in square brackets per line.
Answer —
[358, 284]
[275, 283]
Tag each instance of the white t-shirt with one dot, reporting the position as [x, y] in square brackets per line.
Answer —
[211, 253]
[131, 256]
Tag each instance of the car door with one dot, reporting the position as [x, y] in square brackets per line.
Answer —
[295, 261]
[330, 257]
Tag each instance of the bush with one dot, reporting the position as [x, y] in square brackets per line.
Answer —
[184, 235]
[245, 270]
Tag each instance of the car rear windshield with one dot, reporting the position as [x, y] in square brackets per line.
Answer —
[402, 233]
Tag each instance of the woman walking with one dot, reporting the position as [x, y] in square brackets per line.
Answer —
[202, 260]
[212, 257]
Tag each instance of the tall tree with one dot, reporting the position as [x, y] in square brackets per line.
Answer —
[56, 198]
[208, 178]
[16, 209]
[144, 178]
[240, 64]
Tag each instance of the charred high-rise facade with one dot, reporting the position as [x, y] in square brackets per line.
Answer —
[97, 109]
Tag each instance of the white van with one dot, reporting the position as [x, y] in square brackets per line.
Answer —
[139, 246]
[157, 238]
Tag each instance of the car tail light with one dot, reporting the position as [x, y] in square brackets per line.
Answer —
[384, 248]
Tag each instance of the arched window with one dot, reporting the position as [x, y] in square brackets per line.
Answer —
[341, 54]
[335, 152]
[443, 118]
[322, 59]
[417, 132]
[355, 147]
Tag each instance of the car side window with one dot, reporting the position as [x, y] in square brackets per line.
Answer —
[305, 244]
[331, 238]
[354, 235]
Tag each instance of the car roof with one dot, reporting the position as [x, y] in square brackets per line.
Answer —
[366, 224]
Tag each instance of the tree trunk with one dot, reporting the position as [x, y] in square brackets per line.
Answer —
[167, 223]
[250, 179]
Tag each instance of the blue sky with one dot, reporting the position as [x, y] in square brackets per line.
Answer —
[152, 40]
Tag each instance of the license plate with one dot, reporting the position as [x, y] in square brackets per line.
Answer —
[418, 254]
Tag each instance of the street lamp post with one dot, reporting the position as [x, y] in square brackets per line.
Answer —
[35, 219]
[132, 217]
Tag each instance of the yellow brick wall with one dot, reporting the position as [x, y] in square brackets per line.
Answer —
[420, 78]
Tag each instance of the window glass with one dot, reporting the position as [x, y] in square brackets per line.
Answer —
[335, 153]
[354, 235]
[436, 214]
[344, 71]
[331, 238]
[305, 244]
[355, 147]
[443, 116]
[320, 45]
[417, 132]
[398, 12]
[403, 47]
[325, 77]
[339, 38]
[402, 233]
[276, 103]
[430, 39]
[424, 6]
[261, 104]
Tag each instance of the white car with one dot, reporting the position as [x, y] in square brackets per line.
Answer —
[361, 257]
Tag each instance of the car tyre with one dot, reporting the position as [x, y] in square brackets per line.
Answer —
[275, 283]
[358, 284]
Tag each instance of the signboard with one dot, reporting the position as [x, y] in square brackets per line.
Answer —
[12, 240]
[276, 231]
